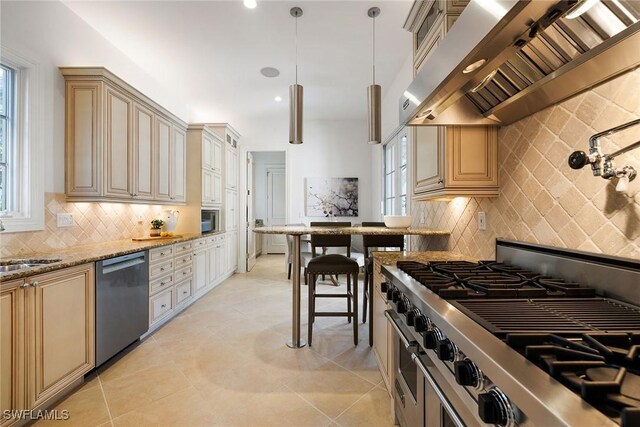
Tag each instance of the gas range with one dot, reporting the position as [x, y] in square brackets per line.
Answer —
[541, 336]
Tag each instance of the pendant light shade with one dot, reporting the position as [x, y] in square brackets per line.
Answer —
[374, 115]
[295, 114]
[374, 97]
[295, 94]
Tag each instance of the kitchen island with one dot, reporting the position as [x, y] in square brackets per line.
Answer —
[296, 232]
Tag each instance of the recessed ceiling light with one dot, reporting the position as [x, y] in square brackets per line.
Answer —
[277, 98]
[250, 4]
[270, 72]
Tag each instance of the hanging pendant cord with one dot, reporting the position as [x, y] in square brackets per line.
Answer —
[296, 50]
[374, 50]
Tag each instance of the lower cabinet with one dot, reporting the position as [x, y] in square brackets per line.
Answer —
[200, 276]
[382, 331]
[232, 251]
[47, 336]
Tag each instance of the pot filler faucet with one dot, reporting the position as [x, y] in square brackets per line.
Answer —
[602, 164]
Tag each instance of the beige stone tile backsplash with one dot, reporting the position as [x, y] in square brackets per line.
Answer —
[94, 223]
[541, 199]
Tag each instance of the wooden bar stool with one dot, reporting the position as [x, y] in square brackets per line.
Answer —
[334, 264]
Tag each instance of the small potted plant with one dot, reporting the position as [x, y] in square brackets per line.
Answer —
[156, 225]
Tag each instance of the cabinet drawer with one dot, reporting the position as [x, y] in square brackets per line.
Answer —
[184, 260]
[161, 284]
[183, 291]
[211, 240]
[159, 254]
[160, 269]
[200, 243]
[183, 273]
[160, 305]
[181, 248]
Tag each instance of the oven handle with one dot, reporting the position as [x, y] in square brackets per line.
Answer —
[407, 344]
[443, 400]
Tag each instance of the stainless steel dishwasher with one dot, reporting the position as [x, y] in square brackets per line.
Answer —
[122, 303]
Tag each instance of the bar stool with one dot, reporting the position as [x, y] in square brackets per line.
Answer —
[324, 241]
[370, 242]
[334, 264]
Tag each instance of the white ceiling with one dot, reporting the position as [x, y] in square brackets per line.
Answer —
[210, 52]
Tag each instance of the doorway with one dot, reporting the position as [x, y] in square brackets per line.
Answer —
[266, 202]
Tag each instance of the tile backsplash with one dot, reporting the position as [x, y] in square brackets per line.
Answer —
[541, 199]
[93, 223]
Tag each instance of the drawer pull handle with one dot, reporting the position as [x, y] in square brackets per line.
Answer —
[162, 283]
[163, 305]
[184, 261]
[161, 268]
[184, 273]
[184, 292]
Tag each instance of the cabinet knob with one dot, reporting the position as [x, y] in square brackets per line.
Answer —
[163, 305]
[162, 283]
[161, 268]
[184, 292]
[36, 284]
[25, 285]
[440, 181]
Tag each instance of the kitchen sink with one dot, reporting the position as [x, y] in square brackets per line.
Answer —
[19, 264]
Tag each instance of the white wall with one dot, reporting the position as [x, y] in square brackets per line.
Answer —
[262, 160]
[53, 36]
[330, 149]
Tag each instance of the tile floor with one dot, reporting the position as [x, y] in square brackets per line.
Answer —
[224, 361]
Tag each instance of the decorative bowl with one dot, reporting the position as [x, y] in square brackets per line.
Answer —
[397, 221]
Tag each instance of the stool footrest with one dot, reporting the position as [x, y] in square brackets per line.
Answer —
[332, 314]
[333, 295]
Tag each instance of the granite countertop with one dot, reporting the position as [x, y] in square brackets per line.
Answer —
[297, 229]
[391, 257]
[77, 255]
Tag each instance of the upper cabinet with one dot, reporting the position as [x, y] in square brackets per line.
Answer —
[429, 21]
[455, 161]
[204, 171]
[120, 145]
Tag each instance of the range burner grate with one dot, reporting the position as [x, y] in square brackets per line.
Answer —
[566, 316]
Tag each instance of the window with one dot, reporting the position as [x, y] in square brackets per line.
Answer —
[395, 175]
[21, 145]
[7, 137]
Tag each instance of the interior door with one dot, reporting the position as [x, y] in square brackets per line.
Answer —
[276, 208]
[251, 215]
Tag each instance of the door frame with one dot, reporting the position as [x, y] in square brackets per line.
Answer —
[271, 167]
[242, 190]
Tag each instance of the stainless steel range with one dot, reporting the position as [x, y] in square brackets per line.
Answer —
[541, 336]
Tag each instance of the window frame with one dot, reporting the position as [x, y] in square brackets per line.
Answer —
[27, 213]
[393, 143]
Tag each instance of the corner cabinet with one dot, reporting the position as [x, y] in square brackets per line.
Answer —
[454, 161]
[120, 145]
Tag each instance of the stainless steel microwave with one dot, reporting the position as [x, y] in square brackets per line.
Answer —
[209, 221]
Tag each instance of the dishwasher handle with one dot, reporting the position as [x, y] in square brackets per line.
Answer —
[120, 263]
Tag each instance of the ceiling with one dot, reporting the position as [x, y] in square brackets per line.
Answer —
[211, 52]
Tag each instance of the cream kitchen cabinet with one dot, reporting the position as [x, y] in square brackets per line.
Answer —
[454, 161]
[200, 271]
[60, 336]
[12, 349]
[211, 152]
[230, 209]
[232, 251]
[231, 167]
[120, 145]
[204, 171]
[382, 330]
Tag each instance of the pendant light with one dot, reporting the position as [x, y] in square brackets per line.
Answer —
[295, 94]
[374, 91]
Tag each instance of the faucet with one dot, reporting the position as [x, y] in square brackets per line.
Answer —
[602, 164]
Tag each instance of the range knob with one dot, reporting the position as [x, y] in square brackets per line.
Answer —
[403, 305]
[384, 286]
[446, 350]
[495, 408]
[421, 323]
[390, 290]
[431, 337]
[467, 373]
[411, 316]
[396, 295]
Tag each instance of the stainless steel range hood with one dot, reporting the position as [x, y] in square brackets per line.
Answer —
[534, 57]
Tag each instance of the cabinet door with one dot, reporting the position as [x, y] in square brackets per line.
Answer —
[231, 168]
[143, 162]
[162, 146]
[212, 264]
[232, 251]
[217, 156]
[217, 189]
[472, 159]
[223, 258]
[380, 342]
[178, 165]
[12, 373]
[118, 132]
[207, 187]
[230, 210]
[428, 159]
[62, 343]
[207, 152]
[83, 116]
[200, 279]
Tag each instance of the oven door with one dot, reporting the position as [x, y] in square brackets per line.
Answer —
[439, 411]
[408, 394]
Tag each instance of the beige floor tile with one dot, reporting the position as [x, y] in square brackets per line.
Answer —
[184, 408]
[362, 361]
[146, 355]
[132, 391]
[330, 388]
[374, 409]
[86, 408]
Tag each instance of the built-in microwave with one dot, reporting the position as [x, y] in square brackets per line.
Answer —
[209, 221]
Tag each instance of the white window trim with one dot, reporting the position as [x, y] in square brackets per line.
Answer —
[394, 140]
[28, 214]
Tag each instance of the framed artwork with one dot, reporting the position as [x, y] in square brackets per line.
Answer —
[331, 197]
